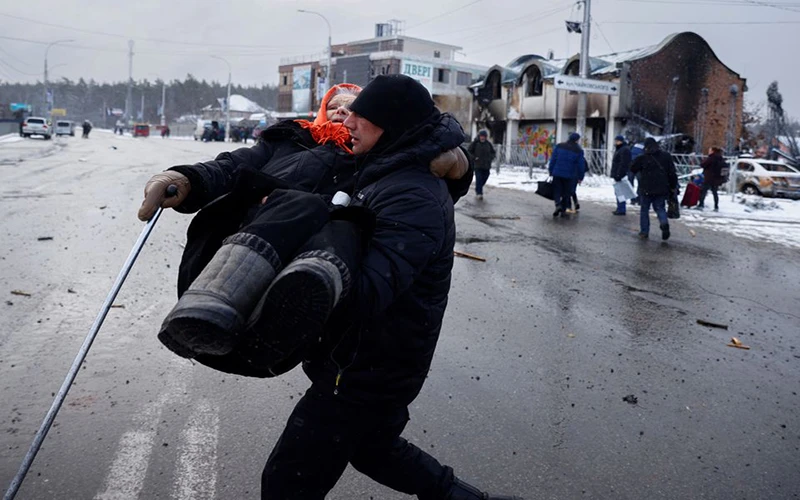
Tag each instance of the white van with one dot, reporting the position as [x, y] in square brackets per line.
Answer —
[65, 127]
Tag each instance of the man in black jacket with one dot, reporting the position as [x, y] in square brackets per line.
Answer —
[378, 347]
[620, 166]
[482, 153]
[657, 180]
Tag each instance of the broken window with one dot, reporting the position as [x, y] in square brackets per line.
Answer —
[533, 82]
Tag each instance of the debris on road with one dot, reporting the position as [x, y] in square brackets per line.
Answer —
[44, 238]
[9, 303]
[738, 344]
[103, 207]
[693, 232]
[118, 306]
[712, 325]
[20, 292]
[497, 217]
[466, 255]
[70, 290]
[631, 399]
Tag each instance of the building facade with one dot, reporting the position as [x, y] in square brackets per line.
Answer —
[677, 90]
[301, 81]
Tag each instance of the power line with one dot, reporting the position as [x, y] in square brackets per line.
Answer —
[518, 40]
[199, 52]
[12, 56]
[739, 3]
[156, 40]
[443, 14]
[773, 5]
[539, 15]
[516, 19]
[702, 22]
[603, 34]
[17, 70]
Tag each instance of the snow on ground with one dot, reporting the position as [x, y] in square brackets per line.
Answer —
[10, 138]
[753, 217]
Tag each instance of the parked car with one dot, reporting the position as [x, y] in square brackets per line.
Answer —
[766, 178]
[37, 126]
[65, 127]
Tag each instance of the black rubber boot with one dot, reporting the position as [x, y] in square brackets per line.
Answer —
[210, 314]
[464, 491]
[292, 313]
[665, 232]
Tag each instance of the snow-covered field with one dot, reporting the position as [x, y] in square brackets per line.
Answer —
[754, 217]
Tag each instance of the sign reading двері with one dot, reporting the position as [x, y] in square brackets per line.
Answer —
[423, 73]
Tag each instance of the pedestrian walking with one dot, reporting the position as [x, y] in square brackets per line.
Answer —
[483, 154]
[620, 168]
[657, 180]
[87, 127]
[712, 176]
[567, 168]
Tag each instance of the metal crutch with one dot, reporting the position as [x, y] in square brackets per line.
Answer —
[84, 350]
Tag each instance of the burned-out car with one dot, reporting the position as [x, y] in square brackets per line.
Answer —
[766, 177]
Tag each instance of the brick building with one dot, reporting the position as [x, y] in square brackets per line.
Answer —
[301, 82]
[677, 89]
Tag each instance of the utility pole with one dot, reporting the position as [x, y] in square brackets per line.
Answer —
[163, 103]
[47, 99]
[141, 113]
[580, 122]
[129, 98]
[227, 100]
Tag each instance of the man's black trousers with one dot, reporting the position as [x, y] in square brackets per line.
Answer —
[324, 434]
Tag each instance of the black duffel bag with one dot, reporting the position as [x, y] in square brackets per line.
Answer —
[545, 189]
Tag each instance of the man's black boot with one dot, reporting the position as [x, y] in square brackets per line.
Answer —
[664, 232]
[464, 491]
[209, 315]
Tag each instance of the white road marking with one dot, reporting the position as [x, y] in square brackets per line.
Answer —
[196, 473]
[125, 478]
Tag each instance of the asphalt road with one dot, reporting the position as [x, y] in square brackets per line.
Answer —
[540, 344]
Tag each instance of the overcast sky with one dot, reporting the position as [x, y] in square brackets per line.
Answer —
[757, 38]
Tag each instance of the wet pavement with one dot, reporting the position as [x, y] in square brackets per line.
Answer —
[540, 345]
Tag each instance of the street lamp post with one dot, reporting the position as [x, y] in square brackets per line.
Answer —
[45, 70]
[227, 101]
[328, 75]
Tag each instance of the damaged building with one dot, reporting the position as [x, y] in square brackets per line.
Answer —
[678, 90]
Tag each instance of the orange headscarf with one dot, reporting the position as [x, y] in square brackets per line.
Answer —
[324, 131]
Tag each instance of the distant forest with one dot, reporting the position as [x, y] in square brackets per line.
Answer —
[89, 99]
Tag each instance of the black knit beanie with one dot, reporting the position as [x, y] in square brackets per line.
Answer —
[395, 103]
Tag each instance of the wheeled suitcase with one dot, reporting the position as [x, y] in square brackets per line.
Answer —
[692, 195]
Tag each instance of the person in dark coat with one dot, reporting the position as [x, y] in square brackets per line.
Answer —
[657, 180]
[713, 166]
[87, 127]
[383, 337]
[376, 349]
[483, 154]
[567, 168]
[620, 167]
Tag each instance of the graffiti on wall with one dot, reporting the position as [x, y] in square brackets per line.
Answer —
[539, 140]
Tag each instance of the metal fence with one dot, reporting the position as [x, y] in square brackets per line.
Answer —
[598, 161]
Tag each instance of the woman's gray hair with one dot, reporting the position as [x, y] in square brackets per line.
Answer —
[346, 91]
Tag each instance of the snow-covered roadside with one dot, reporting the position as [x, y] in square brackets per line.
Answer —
[753, 217]
[4, 139]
